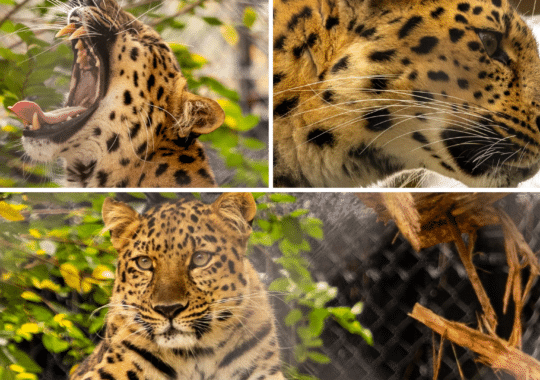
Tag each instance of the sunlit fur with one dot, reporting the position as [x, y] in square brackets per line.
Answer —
[174, 320]
[144, 132]
[365, 89]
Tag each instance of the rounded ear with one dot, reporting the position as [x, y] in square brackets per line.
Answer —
[119, 219]
[199, 115]
[238, 209]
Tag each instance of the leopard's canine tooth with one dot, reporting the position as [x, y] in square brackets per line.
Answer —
[35, 122]
[78, 33]
[68, 29]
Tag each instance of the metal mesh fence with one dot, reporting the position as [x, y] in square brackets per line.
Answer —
[372, 263]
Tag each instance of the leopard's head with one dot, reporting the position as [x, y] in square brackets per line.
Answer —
[182, 277]
[126, 91]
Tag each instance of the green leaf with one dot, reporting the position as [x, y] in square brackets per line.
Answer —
[293, 317]
[292, 229]
[261, 238]
[246, 123]
[24, 360]
[253, 143]
[219, 88]
[299, 212]
[317, 318]
[212, 21]
[318, 357]
[282, 198]
[250, 16]
[279, 285]
[313, 227]
[54, 344]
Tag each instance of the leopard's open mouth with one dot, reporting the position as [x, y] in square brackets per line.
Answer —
[89, 82]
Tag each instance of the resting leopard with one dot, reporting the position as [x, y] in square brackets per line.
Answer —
[186, 303]
[129, 120]
[364, 89]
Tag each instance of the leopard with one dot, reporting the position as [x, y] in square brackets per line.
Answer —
[129, 119]
[367, 89]
[186, 302]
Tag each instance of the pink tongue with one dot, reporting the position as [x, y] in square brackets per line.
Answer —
[25, 111]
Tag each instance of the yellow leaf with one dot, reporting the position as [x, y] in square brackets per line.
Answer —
[199, 59]
[48, 284]
[9, 128]
[41, 252]
[29, 328]
[102, 273]
[16, 368]
[31, 296]
[35, 233]
[71, 276]
[230, 34]
[72, 370]
[36, 283]
[26, 376]
[230, 121]
[60, 319]
[58, 233]
[86, 285]
[6, 182]
[9, 212]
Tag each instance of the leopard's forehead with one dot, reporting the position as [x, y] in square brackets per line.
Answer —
[179, 228]
[171, 218]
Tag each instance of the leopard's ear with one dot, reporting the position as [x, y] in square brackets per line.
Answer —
[238, 209]
[120, 219]
[198, 115]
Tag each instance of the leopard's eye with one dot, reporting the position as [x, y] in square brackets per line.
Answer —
[200, 259]
[144, 263]
[490, 40]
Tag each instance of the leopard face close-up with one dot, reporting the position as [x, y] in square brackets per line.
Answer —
[129, 120]
[186, 302]
[366, 89]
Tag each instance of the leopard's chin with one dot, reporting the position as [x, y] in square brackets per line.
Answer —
[175, 339]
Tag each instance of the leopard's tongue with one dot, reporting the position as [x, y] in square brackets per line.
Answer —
[25, 110]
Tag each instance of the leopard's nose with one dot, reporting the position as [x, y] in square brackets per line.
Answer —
[171, 311]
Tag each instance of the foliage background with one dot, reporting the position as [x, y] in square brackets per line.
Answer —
[221, 47]
[56, 271]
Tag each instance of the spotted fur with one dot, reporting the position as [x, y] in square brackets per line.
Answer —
[364, 89]
[143, 131]
[176, 316]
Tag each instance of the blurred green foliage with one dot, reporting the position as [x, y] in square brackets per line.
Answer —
[306, 297]
[33, 68]
[56, 270]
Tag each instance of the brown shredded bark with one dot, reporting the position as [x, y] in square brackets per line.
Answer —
[426, 219]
